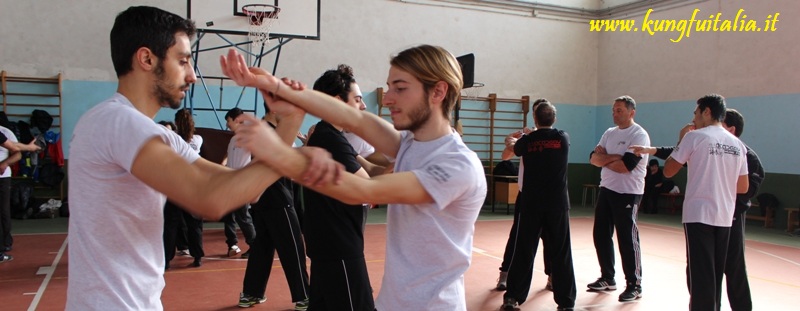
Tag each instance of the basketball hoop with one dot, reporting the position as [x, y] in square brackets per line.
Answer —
[472, 93]
[259, 27]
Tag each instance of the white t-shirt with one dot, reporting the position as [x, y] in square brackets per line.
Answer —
[617, 141]
[237, 157]
[116, 225]
[4, 152]
[429, 246]
[361, 146]
[716, 160]
[196, 142]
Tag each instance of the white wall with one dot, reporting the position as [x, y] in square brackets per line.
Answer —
[515, 55]
[735, 64]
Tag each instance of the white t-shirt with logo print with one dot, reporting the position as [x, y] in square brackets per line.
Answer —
[715, 159]
[429, 246]
[617, 141]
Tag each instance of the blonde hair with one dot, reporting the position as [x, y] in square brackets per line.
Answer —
[431, 64]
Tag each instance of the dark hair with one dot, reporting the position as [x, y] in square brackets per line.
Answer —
[735, 119]
[539, 101]
[185, 122]
[653, 162]
[545, 113]
[716, 103]
[233, 113]
[170, 124]
[431, 64]
[336, 82]
[144, 26]
[629, 102]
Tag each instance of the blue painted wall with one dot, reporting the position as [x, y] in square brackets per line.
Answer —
[770, 120]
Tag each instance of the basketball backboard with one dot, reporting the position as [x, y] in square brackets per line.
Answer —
[297, 18]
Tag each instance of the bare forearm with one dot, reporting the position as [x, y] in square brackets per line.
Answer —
[370, 127]
[601, 160]
[508, 153]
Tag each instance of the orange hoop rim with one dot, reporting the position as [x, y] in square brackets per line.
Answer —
[257, 16]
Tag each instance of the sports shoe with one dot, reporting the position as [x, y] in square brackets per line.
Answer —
[509, 304]
[603, 284]
[301, 305]
[6, 258]
[502, 281]
[247, 301]
[549, 285]
[246, 254]
[184, 252]
[233, 250]
[197, 262]
[632, 292]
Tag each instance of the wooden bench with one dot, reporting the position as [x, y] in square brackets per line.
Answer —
[672, 198]
[791, 219]
[768, 219]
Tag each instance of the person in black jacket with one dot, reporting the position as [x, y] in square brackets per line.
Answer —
[735, 269]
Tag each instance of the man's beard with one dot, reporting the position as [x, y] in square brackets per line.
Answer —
[418, 116]
[162, 89]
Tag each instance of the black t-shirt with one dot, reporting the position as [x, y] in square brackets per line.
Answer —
[278, 195]
[544, 153]
[333, 230]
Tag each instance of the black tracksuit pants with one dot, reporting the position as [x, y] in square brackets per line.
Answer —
[706, 250]
[173, 216]
[618, 211]
[511, 242]
[735, 268]
[533, 221]
[277, 228]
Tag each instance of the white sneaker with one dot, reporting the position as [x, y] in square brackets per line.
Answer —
[233, 250]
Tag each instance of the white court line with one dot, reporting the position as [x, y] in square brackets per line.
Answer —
[52, 269]
[776, 256]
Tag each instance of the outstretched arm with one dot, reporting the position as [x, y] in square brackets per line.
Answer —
[378, 132]
[350, 189]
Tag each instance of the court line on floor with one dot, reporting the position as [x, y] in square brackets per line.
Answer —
[50, 270]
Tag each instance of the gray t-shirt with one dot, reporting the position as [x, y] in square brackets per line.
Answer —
[429, 246]
[116, 248]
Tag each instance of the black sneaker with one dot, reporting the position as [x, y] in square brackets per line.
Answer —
[632, 292]
[602, 284]
[247, 301]
[246, 254]
[6, 258]
[509, 304]
[197, 262]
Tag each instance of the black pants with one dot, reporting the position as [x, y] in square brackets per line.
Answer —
[618, 210]
[735, 269]
[533, 221]
[512, 237]
[276, 228]
[242, 217]
[5, 214]
[173, 215]
[706, 250]
[340, 285]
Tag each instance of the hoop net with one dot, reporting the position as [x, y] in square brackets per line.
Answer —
[261, 18]
[472, 93]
